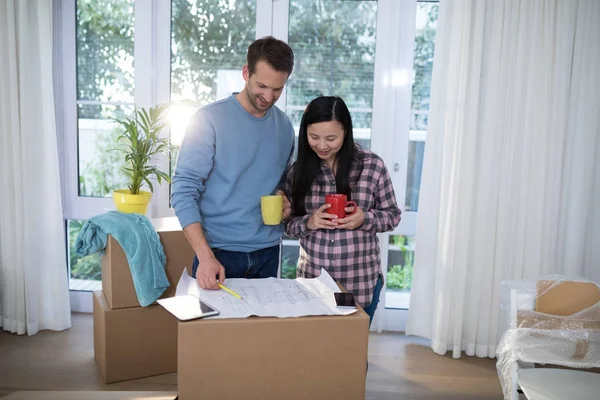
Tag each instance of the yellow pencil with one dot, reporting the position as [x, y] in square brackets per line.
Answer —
[230, 291]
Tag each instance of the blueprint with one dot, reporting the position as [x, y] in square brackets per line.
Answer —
[270, 297]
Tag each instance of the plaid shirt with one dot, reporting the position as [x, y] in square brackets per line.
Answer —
[350, 256]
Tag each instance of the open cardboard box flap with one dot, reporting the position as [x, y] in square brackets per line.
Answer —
[565, 306]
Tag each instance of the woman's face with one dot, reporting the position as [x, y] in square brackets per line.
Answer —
[326, 139]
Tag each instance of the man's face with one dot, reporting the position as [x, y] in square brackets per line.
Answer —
[264, 86]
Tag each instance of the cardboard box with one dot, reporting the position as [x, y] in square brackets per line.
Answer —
[563, 300]
[566, 298]
[117, 282]
[302, 358]
[133, 343]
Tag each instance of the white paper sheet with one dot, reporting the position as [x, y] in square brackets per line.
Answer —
[270, 297]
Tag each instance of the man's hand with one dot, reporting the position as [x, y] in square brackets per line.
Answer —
[322, 220]
[206, 274]
[287, 206]
[352, 221]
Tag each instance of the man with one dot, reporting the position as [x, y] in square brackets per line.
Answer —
[235, 151]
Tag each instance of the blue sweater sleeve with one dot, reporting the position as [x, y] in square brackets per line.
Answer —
[194, 163]
[282, 181]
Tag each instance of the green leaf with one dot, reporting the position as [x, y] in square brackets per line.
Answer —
[149, 184]
[141, 143]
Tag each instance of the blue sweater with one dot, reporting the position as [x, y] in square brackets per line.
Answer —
[227, 161]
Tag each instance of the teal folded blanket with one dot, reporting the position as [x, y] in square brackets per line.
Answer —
[141, 244]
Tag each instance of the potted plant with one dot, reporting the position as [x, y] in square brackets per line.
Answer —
[141, 143]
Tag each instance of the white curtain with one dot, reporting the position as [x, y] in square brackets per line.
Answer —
[511, 176]
[34, 291]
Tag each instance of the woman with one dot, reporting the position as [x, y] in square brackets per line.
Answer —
[330, 162]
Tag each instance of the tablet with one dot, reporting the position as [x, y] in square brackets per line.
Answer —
[187, 307]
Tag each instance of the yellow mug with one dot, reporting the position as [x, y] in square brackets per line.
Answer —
[272, 209]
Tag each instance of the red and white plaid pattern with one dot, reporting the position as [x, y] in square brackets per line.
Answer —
[350, 256]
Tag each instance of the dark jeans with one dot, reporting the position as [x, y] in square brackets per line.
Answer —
[370, 309]
[262, 263]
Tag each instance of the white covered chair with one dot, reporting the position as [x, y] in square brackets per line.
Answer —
[553, 321]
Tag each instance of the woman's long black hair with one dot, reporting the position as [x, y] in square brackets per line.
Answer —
[308, 163]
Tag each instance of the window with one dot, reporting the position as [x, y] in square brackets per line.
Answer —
[121, 53]
[400, 271]
[427, 13]
[105, 84]
[209, 40]
[340, 35]
[84, 272]
[401, 247]
[99, 88]
[348, 51]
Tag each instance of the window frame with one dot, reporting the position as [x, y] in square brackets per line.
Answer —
[391, 123]
[389, 135]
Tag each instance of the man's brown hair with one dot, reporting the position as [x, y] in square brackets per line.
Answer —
[276, 53]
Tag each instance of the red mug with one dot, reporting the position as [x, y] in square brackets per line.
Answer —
[339, 202]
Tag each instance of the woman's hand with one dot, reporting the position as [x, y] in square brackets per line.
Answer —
[321, 220]
[351, 221]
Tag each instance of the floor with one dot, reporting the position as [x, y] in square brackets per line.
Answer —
[400, 367]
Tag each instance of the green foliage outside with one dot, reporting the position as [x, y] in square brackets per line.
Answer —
[334, 47]
[82, 267]
[208, 35]
[399, 277]
[98, 178]
[105, 41]
[288, 268]
[105, 72]
[423, 64]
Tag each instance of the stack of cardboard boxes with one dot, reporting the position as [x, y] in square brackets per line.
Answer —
[130, 341]
[322, 357]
